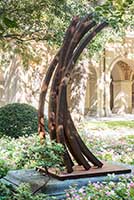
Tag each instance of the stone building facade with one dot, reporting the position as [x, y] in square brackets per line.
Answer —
[110, 87]
[107, 86]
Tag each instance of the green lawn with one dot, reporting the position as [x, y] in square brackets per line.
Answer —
[110, 140]
[108, 124]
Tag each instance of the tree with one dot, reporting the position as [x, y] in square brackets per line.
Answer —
[36, 19]
[47, 19]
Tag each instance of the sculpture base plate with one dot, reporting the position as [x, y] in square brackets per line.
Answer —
[80, 172]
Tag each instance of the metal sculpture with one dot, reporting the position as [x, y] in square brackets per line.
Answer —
[61, 126]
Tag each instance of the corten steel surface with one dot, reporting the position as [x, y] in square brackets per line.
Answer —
[61, 127]
[80, 172]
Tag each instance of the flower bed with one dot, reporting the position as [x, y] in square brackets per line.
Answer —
[122, 190]
[24, 152]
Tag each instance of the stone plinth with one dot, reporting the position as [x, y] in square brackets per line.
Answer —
[40, 182]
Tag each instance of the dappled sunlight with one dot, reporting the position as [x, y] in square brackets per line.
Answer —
[23, 84]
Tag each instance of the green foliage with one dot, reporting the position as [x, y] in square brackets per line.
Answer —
[3, 168]
[23, 192]
[123, 190]
[35, 20]
[49, 154]
[27, 153]
[18, 120]
[40, 19]
[48, 20]
[5, 192]
[118, 14]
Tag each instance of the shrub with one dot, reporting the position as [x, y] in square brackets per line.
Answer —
[23, 192]
[27, 152]
[49, 154]
[18, 119]
[5, 192]
[3, 168]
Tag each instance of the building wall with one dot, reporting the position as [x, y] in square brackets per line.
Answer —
[101, 88]
[114, 79]
[18, 84]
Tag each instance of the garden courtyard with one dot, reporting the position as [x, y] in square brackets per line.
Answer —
[67, 95]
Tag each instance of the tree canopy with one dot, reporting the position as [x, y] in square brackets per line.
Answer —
[48, 19]
[22, 21]
[42, 19]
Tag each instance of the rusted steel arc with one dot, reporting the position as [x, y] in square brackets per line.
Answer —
[68, 36]
[66, 43]
[46, 82]
[56, 81]
[52, 106]
[62, 119]
[66, 135]
[71, 136]
[78, 156]
[67, 159]
[74, 58]
[71, 150]
[81, 47]
[43, 94]
[65, 122]
[69, 125]
[64, 83]
[89, 155]
[82, 29]
[42, 97]
[71, 139]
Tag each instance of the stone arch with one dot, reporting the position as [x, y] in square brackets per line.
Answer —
[116, 74]
[120, 87]
[115, 69]
[124, 59]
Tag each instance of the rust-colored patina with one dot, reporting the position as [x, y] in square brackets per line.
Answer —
[61, 126]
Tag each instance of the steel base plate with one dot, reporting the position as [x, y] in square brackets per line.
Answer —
[80, 172]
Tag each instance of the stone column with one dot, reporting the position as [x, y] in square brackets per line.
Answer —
[100, 95]
[87, 98]
[93, 97]
[107, 94]
[122, 92]
[1, 88]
